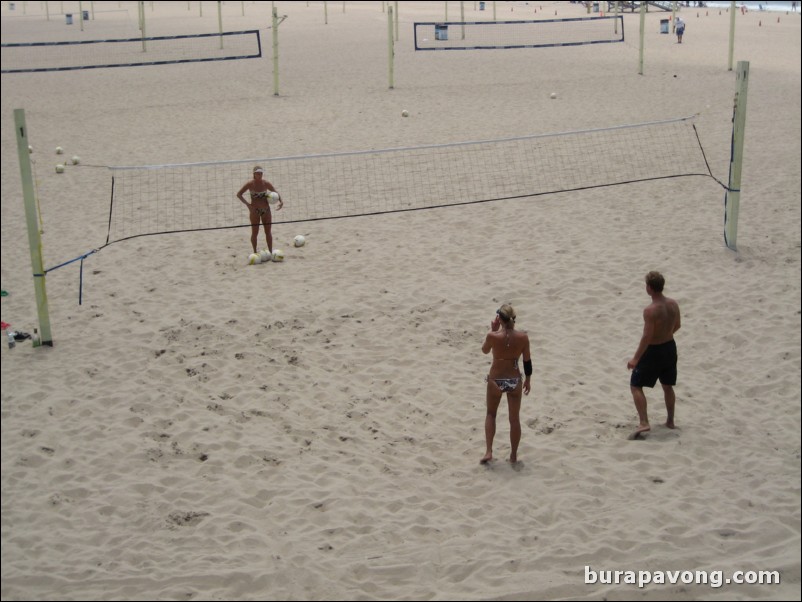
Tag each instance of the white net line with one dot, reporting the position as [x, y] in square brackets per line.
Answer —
[158, 199]
[458, 35]
[91, 54]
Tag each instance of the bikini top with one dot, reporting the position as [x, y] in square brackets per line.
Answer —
[260, 195]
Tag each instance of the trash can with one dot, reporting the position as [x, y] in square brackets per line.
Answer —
[69, 18]
[595, 7]
[481, 6]
[441, 32]
[86, 15]
[10, 6]
[663, 25]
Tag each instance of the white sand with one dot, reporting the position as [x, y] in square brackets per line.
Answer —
[311, 430]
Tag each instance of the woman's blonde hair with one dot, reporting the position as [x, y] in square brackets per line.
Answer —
[506, 312]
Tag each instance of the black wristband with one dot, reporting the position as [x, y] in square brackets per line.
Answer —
[528, 367]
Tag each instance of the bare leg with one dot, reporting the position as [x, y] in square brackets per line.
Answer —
[267, 220]
[640, 405]
[668, 393]
[493, 399]
[514, 404]
[254, 235]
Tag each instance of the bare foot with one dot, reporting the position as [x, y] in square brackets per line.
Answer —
[670, 425]
[638, 432]
[515, 464]
[487, 458]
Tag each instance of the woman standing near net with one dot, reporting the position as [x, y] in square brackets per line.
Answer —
[259, 207]
[507, 345]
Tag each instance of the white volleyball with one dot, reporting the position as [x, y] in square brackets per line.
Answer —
[254, 258]
[278, 255]
[59, 150]
[553, 95]
[265, 255]
[76, 159]
[59, 168]
[273, 198]
[300, 240]
[404, 113]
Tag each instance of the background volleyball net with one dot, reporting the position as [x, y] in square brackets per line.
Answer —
[93, 54]
[518, 34]
[160, 199]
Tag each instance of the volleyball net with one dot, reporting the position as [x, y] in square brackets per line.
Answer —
[31, 57]
[159, 199]
[479, 35]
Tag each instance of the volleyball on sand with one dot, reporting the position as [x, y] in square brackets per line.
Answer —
[265, 255]
[254, 258]
[278, 255]
[299, 240]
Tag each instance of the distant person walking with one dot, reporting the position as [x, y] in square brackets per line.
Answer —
[680, 29]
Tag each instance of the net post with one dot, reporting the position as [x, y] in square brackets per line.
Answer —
[642, 31]
[390, 49]
[674, 16]
[220, 21]
[141, 7]
[732, 198]
[732, 34]
[275, 51]
[34, 237]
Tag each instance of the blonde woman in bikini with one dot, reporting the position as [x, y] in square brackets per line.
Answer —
[259, 208]
[507, 345]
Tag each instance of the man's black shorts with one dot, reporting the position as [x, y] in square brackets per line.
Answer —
[659, 362]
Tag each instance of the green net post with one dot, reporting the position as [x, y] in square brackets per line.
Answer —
[32, 222]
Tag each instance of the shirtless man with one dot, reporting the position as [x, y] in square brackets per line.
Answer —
[507, 345]
[656, 356]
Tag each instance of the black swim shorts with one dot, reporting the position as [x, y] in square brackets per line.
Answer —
[659, 362]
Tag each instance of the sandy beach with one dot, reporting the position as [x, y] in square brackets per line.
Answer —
[202, 429]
